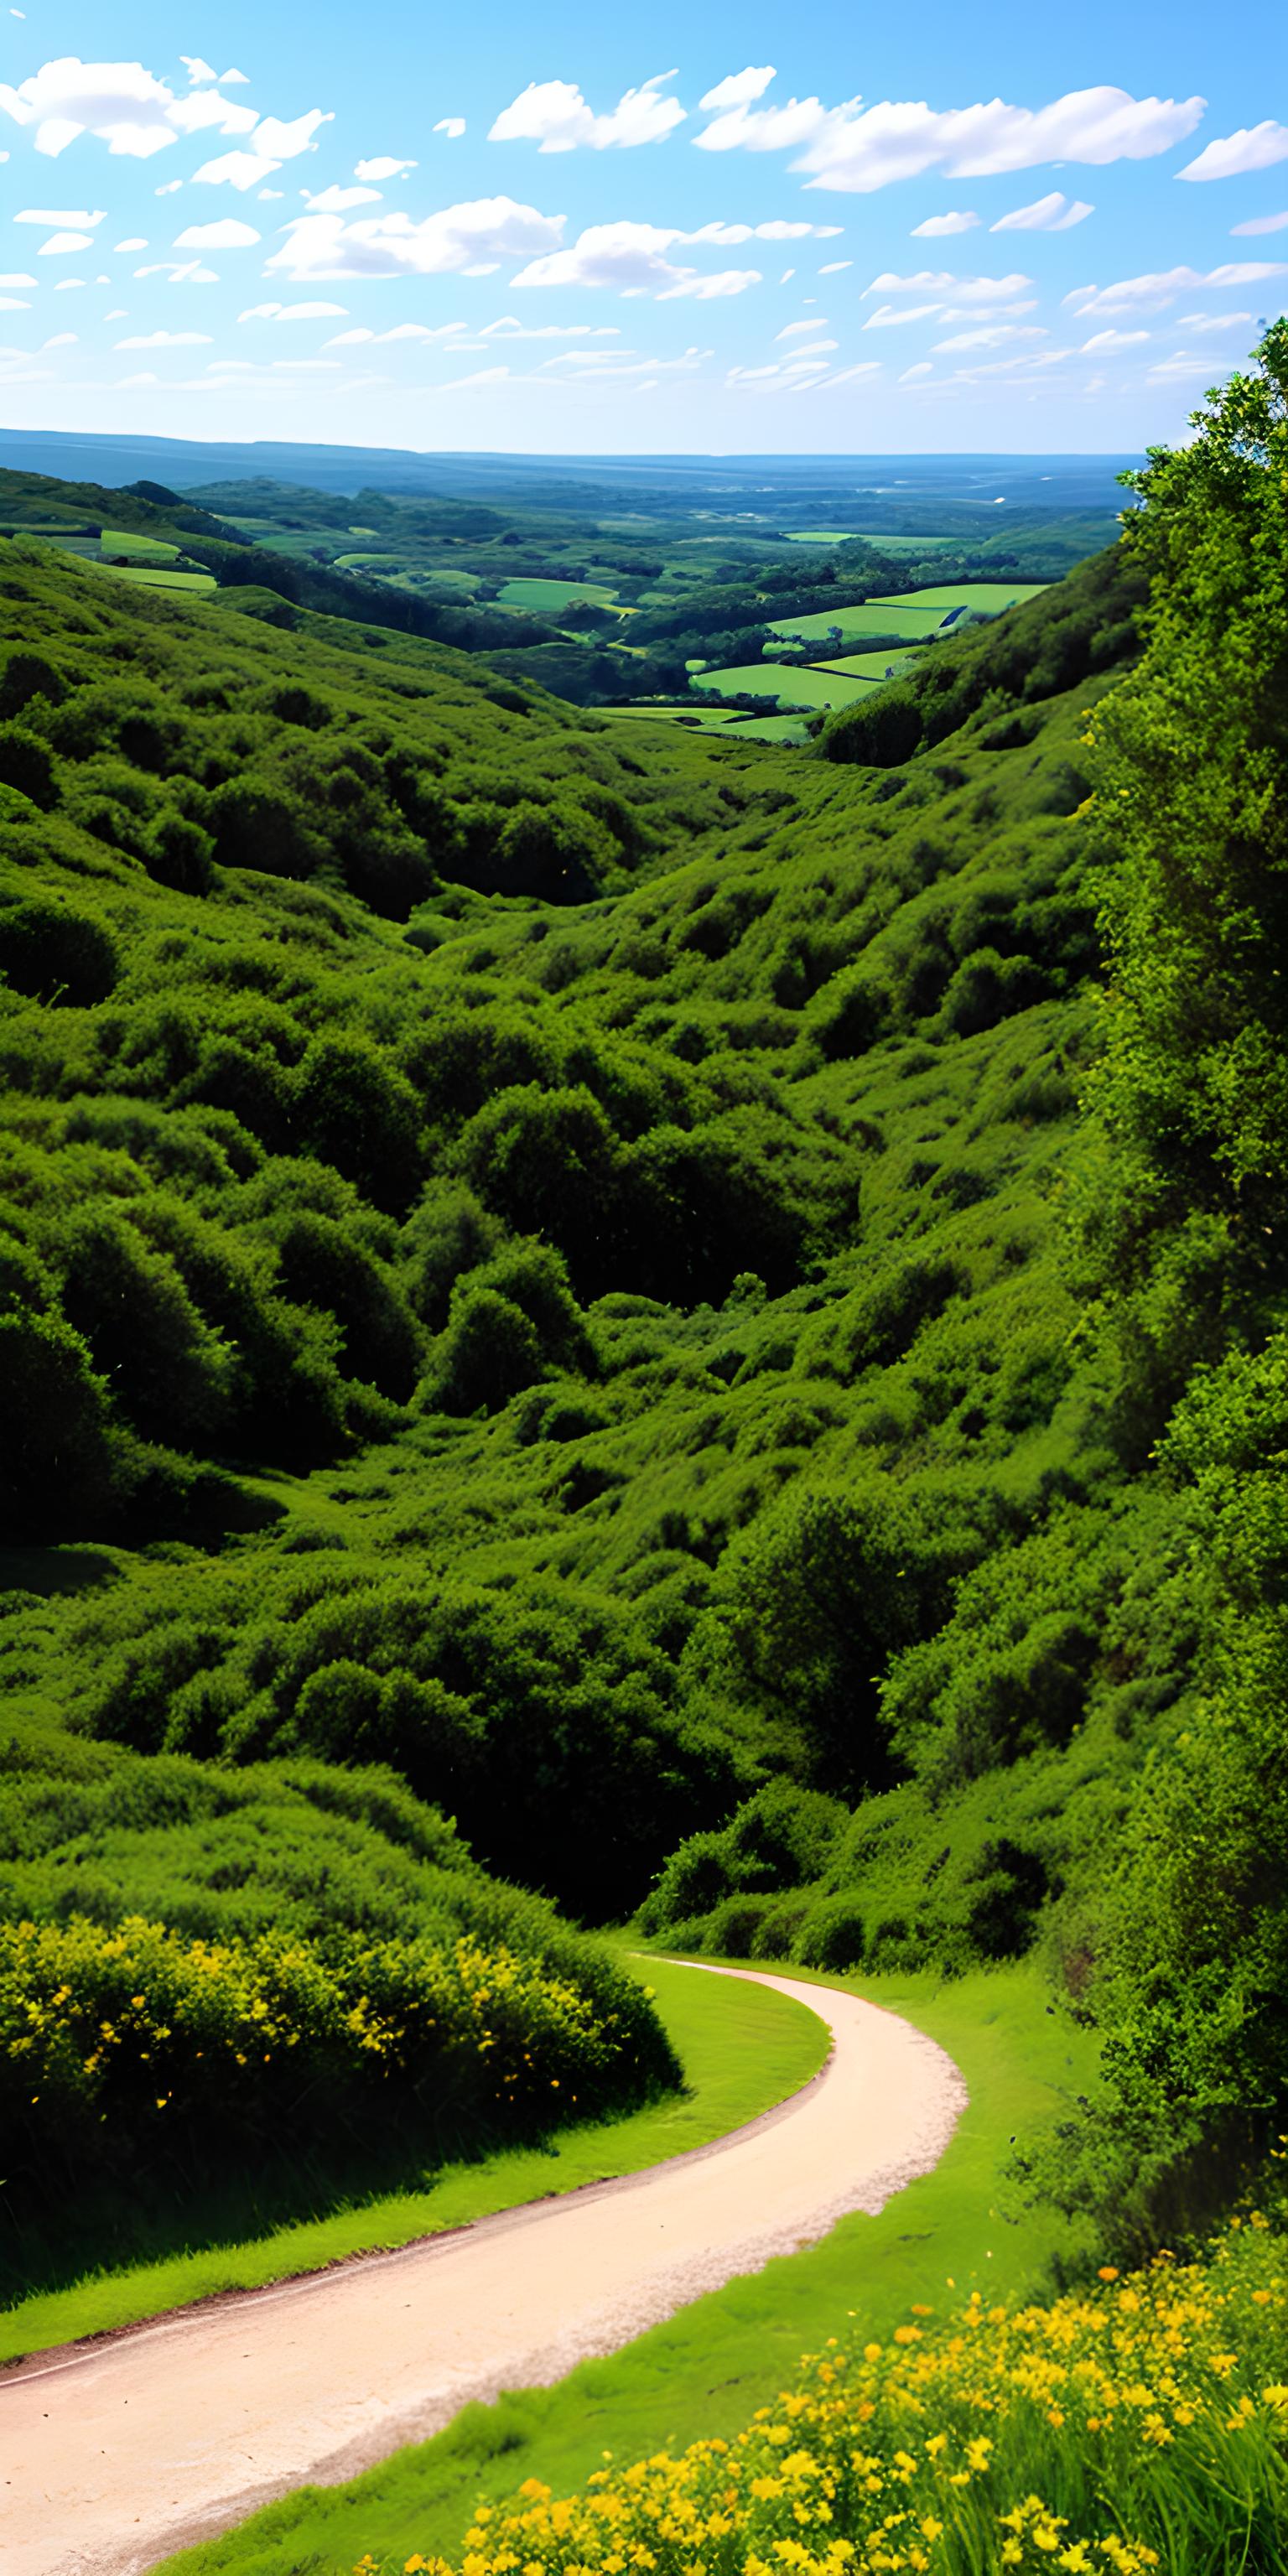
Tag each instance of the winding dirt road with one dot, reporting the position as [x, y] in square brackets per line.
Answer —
[116, 2452]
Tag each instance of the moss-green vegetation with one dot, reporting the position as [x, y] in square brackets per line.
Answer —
[742, 2048]
[958, 2229]
[634, 1278]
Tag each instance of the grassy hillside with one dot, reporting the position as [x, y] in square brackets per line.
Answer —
[641, 1284]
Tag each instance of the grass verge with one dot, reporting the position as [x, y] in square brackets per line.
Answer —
[707, 2369]
[743, 2049]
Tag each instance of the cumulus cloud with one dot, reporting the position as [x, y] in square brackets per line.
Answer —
[741, 89]
[238, 170]
[962, 290]
[508, 328]
[228, 234]
[857, 148]
[119, 102]
[78, 219]
[470, 239]
[292, 312]
[199, 71]
[993, 336]
[1053, 214]
[1257, 224]
[452, 126]
[555, 116]
[399, 331]
[886, 316]
[383, 167]
[167, 340]
[205, 111]
[1154, 291]
[1207, 322]
[341, 201]
[631, 259]
[1254, 147]
[939, 227]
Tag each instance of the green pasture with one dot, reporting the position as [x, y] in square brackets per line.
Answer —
[993, 595]
[706, 2369]
[135, 549]
[793, 686]
[911, 619]
[743, 2049]
[161, 580]
[554, 596]
[872, 666]
[358, 563]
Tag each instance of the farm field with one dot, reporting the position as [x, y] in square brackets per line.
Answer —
[159, 578]
[991, 595]
[792, 685]
[903, 618]
[554, 596]
[871, 666]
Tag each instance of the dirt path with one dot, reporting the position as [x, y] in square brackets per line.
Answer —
[114, 2453]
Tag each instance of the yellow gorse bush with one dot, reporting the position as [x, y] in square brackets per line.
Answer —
[1139, 2426]
[118, 2029]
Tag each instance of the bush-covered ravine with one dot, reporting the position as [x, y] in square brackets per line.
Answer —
[714, 1314]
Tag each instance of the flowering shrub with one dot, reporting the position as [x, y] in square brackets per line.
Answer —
[1136, 2426]
[110, 2036]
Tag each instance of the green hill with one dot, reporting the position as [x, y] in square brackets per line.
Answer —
[636, 1281]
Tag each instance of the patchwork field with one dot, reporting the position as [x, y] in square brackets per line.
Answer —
[870, 617]
[555, 596]
[791, 686]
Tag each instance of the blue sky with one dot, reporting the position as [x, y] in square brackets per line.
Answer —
[715, 230]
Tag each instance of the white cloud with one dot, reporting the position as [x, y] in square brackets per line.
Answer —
[59, 245]
[507, 328]
[846, 375]
[472, 239]
[452, 126]
[167, 340]
[285, 142]
[482, 376]
[886, 316]
[121, 103]
[631, 259]
[1260, 224]
[270, 194]
[924, 367]
[816, 349]
[1153, 292]
[14, 304]
[1113, 340]
[66, 285]
[1208, 322]
[134, 242]
[234, 170]
[204, 109]
[120, 313]
[292, 312]
[60, 340]
[994, 335]
[383, 167]
[939, 227]
[341, 201]
[228, 234]
[857, 148]
[833, 267]
[1255, 147]
[171, 188]
[188, 272]
[793, 330]
[18, 278]
[1181, 368]
[555, 116]
[78, 219]
[199, 71]
[1053, 214]
[740, 89]
[400, 331]
[964, 290]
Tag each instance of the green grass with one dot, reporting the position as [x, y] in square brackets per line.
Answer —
[554, 595]
[743, 2049]
[872, 666]
[705, 2371]
[872, 617]
[968, 594]
[155, 551]
[356, 563]
[188, 581]
[791, 685]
